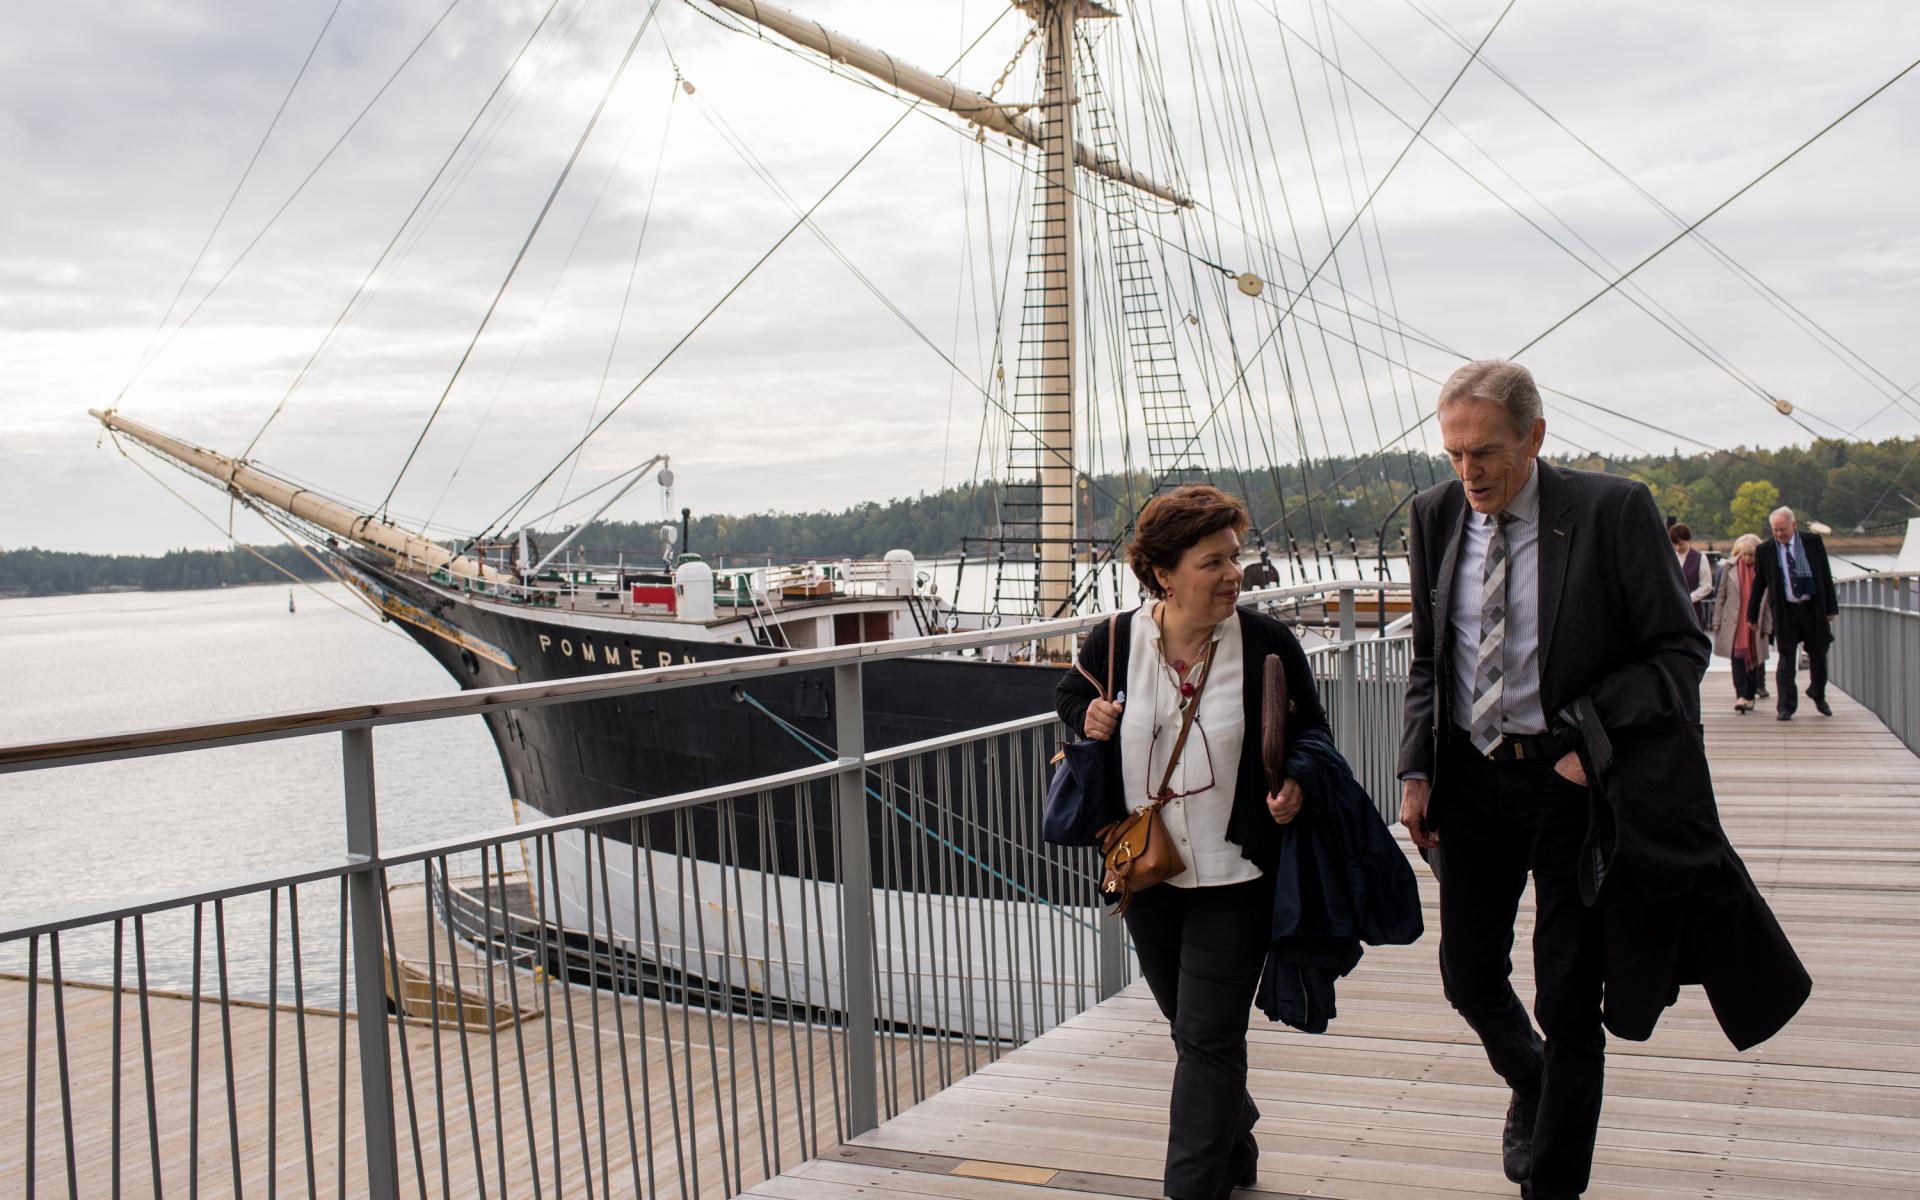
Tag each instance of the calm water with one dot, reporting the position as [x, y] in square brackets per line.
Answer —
[79, 837]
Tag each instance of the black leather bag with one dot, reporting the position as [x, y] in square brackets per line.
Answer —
[1080, 796]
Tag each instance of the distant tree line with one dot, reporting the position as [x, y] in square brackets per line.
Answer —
[36, 572]
[1848, 485]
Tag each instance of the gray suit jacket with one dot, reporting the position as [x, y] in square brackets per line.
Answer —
[1615, 621]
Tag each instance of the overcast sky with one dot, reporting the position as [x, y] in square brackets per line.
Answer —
[124, 128]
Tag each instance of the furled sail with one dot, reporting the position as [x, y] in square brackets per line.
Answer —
[336, 518]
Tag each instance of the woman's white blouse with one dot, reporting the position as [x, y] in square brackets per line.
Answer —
[1197, 823]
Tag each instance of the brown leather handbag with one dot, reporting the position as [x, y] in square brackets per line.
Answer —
[1137, 848]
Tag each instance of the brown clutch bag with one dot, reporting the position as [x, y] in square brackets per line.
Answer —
[1273, 723]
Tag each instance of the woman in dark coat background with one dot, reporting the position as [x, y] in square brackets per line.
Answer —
[1202, 936]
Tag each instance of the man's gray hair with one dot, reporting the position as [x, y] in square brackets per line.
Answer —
[1507, 384]
[1782, 511]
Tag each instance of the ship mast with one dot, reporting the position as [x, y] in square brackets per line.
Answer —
[1044, 432]
[1050, 336]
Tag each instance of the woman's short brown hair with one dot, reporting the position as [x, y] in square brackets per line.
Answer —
[1679, 532]
[1171, 523]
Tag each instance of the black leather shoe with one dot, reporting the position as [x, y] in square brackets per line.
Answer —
[1783, 716]
[1516, 1140]
[1826, 710]
[1243, 1169]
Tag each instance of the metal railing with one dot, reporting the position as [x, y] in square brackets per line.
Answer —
[675, 997]
[1876, 652]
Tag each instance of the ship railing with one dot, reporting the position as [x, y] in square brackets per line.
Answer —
[1875, 655]
[674, 997]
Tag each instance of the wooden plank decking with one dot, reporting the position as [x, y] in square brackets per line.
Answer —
[1397, 1100]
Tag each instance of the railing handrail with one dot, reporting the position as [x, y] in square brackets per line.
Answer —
[31, 756]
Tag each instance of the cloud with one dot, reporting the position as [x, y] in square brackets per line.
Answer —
[126, 126]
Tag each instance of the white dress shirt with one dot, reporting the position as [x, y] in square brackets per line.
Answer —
[1520, 711]
[1197, 823]
[1785, 551]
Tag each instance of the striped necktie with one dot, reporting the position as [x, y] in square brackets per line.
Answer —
[1490, 675]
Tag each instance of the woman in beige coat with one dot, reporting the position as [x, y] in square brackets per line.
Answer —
[1734, 636]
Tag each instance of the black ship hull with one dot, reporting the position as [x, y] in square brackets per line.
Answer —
[946, 842]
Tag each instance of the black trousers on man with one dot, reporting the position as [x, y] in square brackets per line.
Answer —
[1796, 631]
[1500, 821]
[1201, 950]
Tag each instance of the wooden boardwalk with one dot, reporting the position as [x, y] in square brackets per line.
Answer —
[1397, 1100]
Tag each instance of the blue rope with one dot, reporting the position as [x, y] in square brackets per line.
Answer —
[814, 744]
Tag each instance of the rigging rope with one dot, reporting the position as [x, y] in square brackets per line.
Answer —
[1745, 188]
[350, 610]
[826, 753]
[1825, 338]
[140, 361]
[295, 194]
[360, 291]
[646, 22]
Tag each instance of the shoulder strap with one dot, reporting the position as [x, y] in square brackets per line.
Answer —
[1106, 693]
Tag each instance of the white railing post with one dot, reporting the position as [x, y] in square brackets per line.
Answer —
[369, 963]
[856, 898]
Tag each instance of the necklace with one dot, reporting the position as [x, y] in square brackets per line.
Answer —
[1182, 672]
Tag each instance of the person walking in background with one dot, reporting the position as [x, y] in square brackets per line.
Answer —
[1734, 636]
[1202, 935]
[1693, 570]
[1793, 575]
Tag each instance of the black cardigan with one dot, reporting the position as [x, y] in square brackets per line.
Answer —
[1250, 826]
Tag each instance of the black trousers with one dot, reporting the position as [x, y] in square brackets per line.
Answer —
[1797, 631]
[1746, 678]
[1201, 950]
[1501, 821]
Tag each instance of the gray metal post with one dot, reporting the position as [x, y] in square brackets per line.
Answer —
[369, 963]
[1349, 727]
[1113, 953]
[856, 899]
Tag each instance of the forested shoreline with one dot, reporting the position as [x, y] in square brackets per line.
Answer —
[1850, 486]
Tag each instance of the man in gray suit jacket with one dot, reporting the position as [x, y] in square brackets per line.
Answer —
[1534, 588]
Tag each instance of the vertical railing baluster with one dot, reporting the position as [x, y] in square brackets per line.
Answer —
[60, 1054]
[640, 1021]
[593, 839]
[146, 1051]
[566, 1000]
[620, 1020]
[119, 946]
[434, 1022]
[193, 1069]
[33, 1057]
[519, 1034]
[273, 1042]
[226, 1040]
[300, 1038]
[363, 886]
[460, 1019]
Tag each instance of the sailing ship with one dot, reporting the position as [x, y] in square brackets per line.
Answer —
[503, 611]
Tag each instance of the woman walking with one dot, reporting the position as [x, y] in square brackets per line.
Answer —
[1734, 636]
[1202, 936]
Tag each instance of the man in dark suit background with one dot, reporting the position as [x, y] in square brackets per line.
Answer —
[1793, 570]
[1534, 587]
